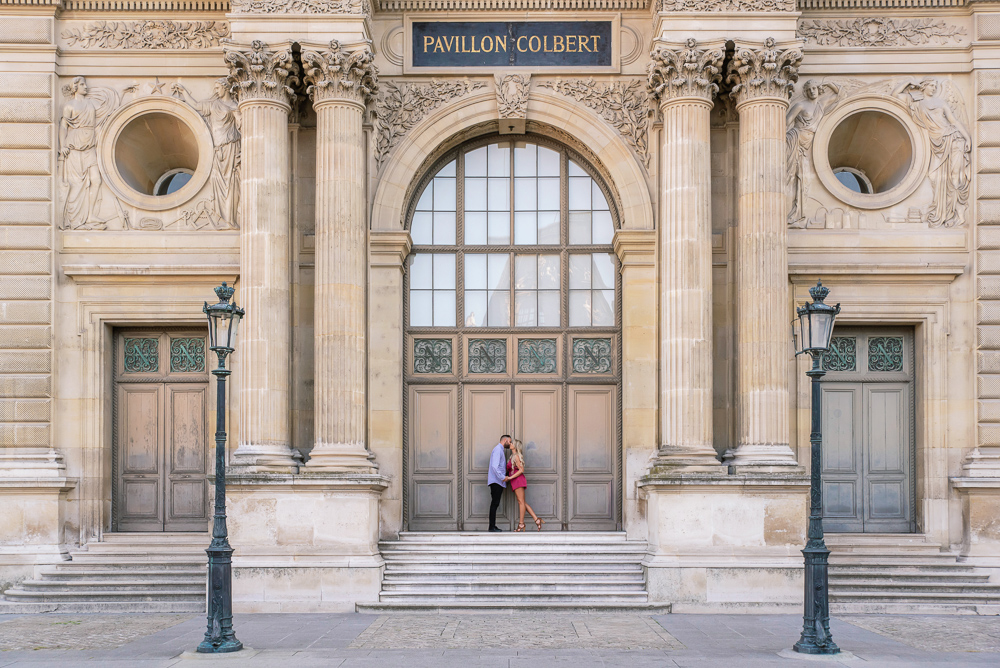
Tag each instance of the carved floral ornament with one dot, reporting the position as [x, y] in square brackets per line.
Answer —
[147, 34]
[727, 5]
[874, 31]
[256, 72]
[301, 7]
[338, 74]
[686, 72]
[763, 72]
[512, 94]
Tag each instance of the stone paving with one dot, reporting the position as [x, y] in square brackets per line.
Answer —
[558, 640]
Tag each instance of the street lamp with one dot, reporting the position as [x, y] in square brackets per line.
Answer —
[815, 329]
[223, 323]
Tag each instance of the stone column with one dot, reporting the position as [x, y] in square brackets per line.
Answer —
[340, 83]
[260, 79]
[762, 76]
[684, 80]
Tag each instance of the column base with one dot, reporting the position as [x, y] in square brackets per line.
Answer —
[674, 458]
[761, 454]
[982, 462]
[250, 458]
[980, 512]
[340, 458]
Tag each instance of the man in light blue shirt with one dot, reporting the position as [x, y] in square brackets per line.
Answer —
[496, 477]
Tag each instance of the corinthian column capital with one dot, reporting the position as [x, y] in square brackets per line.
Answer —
[257, 73]
[763, 71]
[684, 72]
[339, 74]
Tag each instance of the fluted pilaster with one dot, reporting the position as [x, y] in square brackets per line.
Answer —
[258, 79]
[762, 78]
[685, 81]
[340, 84]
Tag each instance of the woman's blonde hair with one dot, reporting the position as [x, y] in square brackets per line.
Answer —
[518, 448]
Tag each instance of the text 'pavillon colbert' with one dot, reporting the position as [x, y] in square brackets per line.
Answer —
[511, 43]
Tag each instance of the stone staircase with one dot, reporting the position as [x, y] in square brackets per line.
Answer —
[904, 574]
[124, 572]
[551, 570]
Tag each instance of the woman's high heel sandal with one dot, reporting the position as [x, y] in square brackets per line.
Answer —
[520, 527]
[539, 522]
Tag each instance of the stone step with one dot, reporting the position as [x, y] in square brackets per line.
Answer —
[128, 538]
[513, 537]
[877, 608]
[575, 596]
[480, 576]
[511, 607]
[512, 589]
[498, 551]
[893, 578]
[916, 588]
[74, 586]
[508, 570]
[842, 596]
[109, 572]
[150, 560]
[551, 558]
[90, 595]
[881, 559]
[26, 608]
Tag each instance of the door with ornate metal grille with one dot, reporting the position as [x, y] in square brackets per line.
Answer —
[512, 327]
[868, 444]
[159, 450]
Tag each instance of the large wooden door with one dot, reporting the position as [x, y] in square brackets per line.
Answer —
[868, 446]
[160, 450]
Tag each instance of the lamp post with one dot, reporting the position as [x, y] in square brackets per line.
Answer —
[223, 323]
[815, 330]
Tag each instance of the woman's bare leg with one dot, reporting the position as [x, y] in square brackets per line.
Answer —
[519, 493]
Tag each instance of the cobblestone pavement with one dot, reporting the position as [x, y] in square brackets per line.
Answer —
[961, 633]
[533, 631]
[54, 631]
[557, 640]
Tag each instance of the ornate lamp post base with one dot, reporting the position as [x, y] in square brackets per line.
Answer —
[220, 637]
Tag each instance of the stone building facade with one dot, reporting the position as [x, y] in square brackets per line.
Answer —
[595, 243]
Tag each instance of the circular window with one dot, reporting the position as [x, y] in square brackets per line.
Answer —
[869, 154]
[156, 153]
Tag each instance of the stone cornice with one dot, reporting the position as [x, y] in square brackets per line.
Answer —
[635, 248]
[678, 72]
[765, 70]
[339, 74]
[257, 73]
[389, 248]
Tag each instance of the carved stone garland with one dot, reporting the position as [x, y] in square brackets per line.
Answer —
[512, 94]
[766, 72]
[399, 107]
[623, 104]
[302, 7]
[340, 74]
[874, 31]
[147, 35]
[689, 72]
[259, 73]
[727, 5]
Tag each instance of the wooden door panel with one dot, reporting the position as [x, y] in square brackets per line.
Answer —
[433, 457]
[887, 461]
[538, 423]
[186, 453]
[140, 442]
[842, 438]
[591, 433]
[487, 417]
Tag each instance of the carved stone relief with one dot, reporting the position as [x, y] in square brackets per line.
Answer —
[147, 34]
[687, 72]
[727, 5]
[763, 72]
[86, 151]
[339, 74]
[871, 31]
[936, 198]
[512, 94]
[399, 107]
[301, 7]
[623, 104]
[259, 73]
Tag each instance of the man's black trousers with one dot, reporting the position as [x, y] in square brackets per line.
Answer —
[496, 491]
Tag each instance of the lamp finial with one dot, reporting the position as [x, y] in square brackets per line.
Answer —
[818, 292]
[224, 292]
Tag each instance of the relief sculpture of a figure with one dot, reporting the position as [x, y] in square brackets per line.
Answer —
[223, 118]
[950, 170]
[802, 118]
[85, 110]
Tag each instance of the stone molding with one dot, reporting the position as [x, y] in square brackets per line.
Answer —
[394, 6]
[512, 94]
[358, 7]
[399, 107]
[389, 249]
[878, 32]
[763, 71]
[147, 34]
[258, 73]
[338, 74]
[727, 5]
[622, 103]
[635, 248]
[685, 72]
[134, 5]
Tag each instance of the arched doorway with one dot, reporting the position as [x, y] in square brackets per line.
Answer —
[512, 319]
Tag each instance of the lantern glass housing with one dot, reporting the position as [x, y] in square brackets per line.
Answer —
[223, 320]
[816, 322]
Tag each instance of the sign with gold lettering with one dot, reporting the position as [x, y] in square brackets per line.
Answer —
[511, 44]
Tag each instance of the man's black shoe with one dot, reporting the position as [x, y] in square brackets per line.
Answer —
[495, 529]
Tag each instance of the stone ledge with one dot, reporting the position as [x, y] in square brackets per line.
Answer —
[795, 479]
[320, 481]
[27, 485]
[965, 483]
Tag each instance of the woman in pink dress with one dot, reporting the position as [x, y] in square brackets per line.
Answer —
[515, 474]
